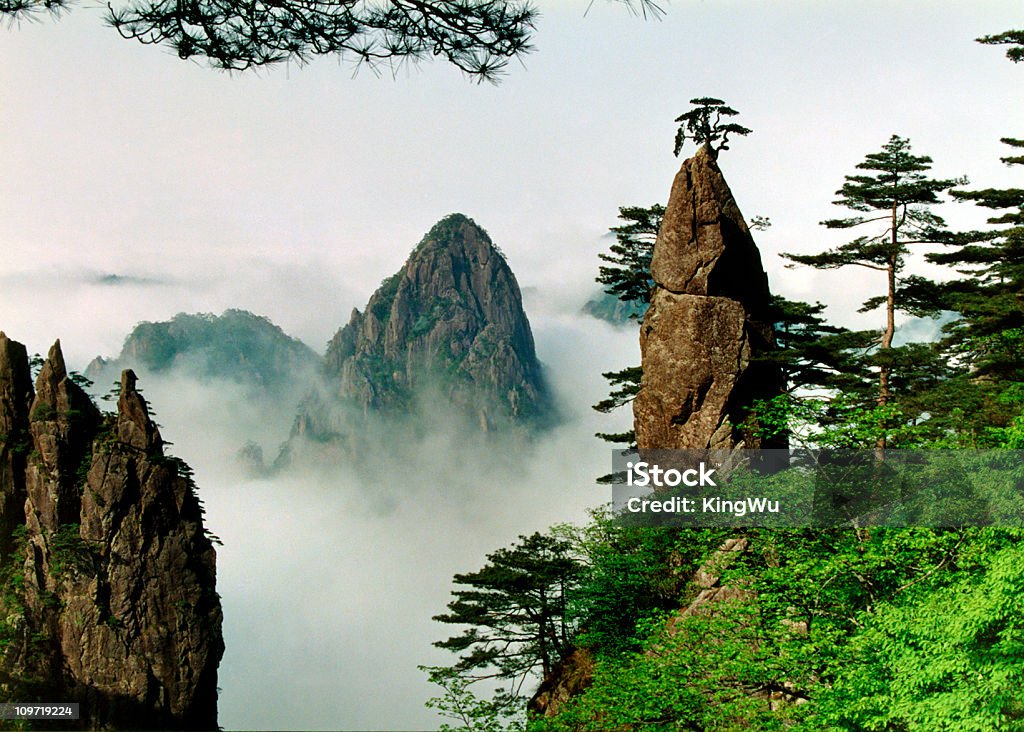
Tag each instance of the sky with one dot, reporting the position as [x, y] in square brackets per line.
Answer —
[294, 191]
[136, 186]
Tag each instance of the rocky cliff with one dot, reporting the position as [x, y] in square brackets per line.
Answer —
[707, 322]
[450, 322]
[108, 592]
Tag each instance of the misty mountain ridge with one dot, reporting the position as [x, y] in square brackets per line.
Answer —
[453, 316]
[237, 346]
[611, 309]
[445, 338]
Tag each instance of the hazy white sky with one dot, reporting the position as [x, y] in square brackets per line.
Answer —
[293, 192]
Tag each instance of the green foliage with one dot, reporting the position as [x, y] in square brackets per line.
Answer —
[867, 628]
[705, 126]
[479, 38]
[945, 658]
[12, 610]
[437, 312]
[989, 297]
[629, 280]
[35, 364]
[80, 380]
[82, 471]
[515, 610]
[896, 199]
[502, 713]
[629, 276]
[812, 353]
[631, 574]
[69, 553]
[627, 385]
[697, 672]
[385, 296]
[43, 412]
[235, 345]
[1012, 38]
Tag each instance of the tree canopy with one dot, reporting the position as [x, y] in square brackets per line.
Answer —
[896, 198]
[515, 607]
[706, 124]
[1012, 38]
[479, 37]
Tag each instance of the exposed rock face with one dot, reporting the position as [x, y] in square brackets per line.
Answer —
[570, 677]
[451, 320]
[110, 594]
[707, 581]
[15, 441]
[707, 321]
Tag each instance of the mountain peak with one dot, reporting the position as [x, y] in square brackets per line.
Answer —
[451, 320]
[459, 235]
[117, 605]
[237, 346]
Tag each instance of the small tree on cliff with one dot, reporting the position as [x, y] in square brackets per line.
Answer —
[705, 125]
[515, 607]
[629, 279]
[897, 197]
[629, 276]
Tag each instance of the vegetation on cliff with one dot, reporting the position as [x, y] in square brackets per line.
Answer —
[847, 628]
[236, 346]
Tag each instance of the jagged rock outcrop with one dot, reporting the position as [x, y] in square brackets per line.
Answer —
[707, 322]
[15, 441]
[450, 322]
[707, 585]
[109, 574]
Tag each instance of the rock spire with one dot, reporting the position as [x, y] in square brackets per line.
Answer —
[708, 320]
[109, 574]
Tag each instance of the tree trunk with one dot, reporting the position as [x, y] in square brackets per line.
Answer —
[884, 371]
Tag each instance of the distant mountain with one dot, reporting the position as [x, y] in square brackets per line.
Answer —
[238, 346]
[613, 310]
[449, 329]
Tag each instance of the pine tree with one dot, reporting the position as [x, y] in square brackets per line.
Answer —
[705, 124]
[629, 279]
[479, 37]
[515, 607]
[988, 334]
[986, 341]
[1012, 38]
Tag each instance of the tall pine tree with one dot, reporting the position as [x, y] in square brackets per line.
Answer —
[895, 197]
